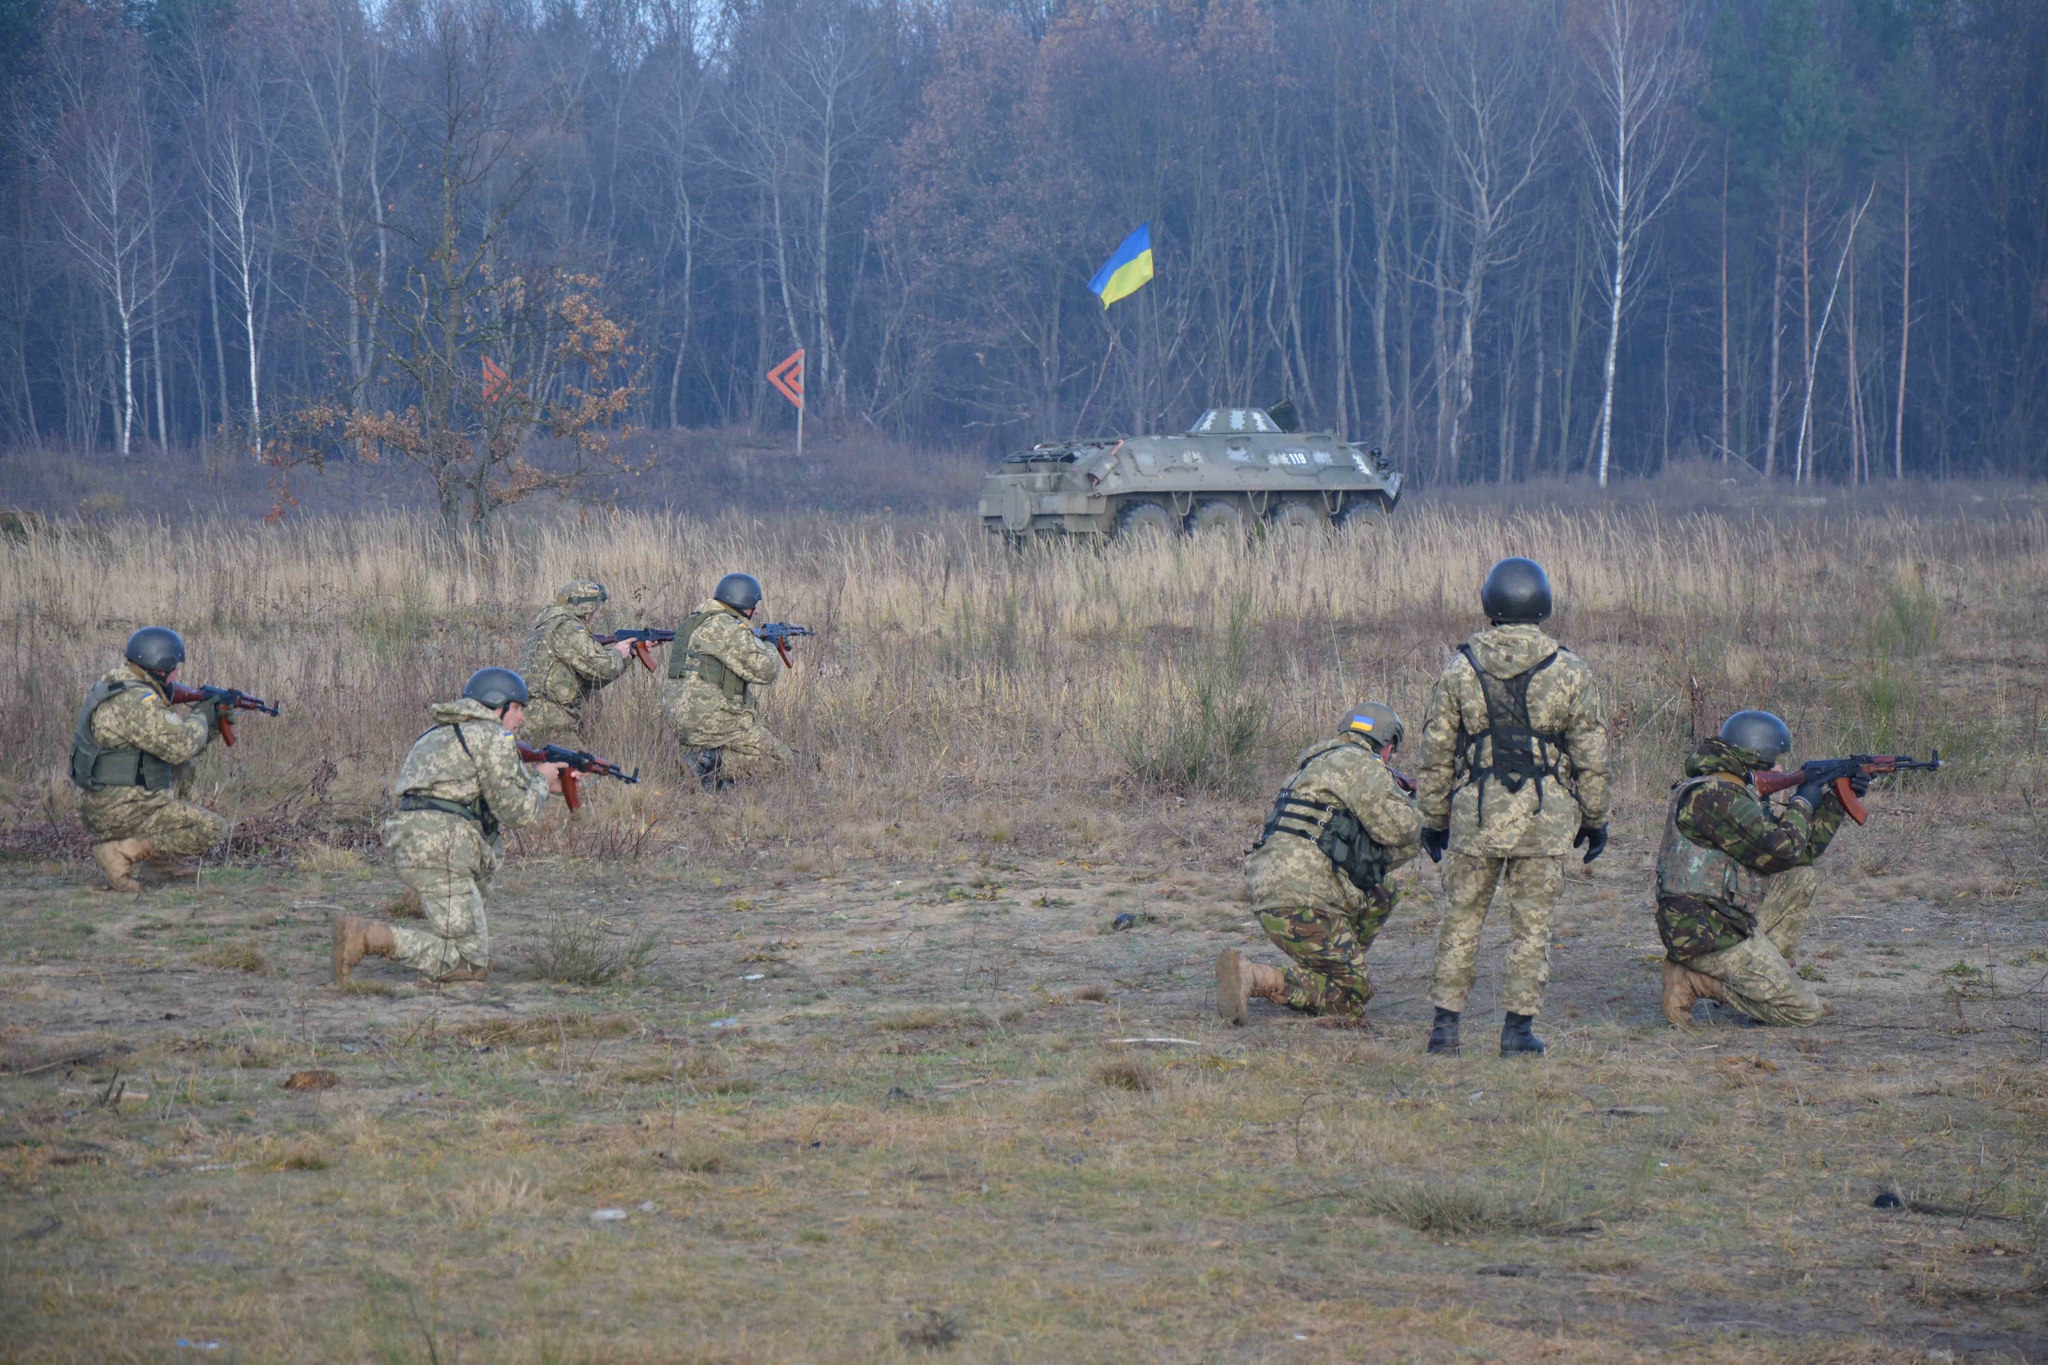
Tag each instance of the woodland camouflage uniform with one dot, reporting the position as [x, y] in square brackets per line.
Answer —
[1735, 883]
[1516, 838]
[138, 716]
[468, 768]
[1312, 911]
[716, 672]
[563, 665]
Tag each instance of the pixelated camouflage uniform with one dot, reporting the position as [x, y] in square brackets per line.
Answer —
[467, 762]
[1311, 910]
[1735, 883]
[1508, 834]
[136, 718]
[715, 675]
[563, 667]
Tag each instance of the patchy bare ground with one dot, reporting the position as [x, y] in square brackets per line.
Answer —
[859, 1111]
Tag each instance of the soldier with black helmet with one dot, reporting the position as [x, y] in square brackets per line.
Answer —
[715, 675]
[1318, 874]
[129, 750]
[564, 665]
[460, 783]
[1735, 883]
[1513, 776]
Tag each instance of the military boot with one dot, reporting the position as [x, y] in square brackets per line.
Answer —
[1516, 1037]
[356, 938]
[1239, 981]
[704, 765]
[117, 859]
[1683, 986]
[1443, 1034]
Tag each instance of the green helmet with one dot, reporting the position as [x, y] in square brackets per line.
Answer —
[740, 591]
[496, 688]
[1759, 733]
[156, 649]
[1379, 723]
[583, 596]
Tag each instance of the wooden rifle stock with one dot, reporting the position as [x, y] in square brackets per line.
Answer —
[572, 792]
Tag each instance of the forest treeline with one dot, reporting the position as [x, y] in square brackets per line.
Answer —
[1501, 238]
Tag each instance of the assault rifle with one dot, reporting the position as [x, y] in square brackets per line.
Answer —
[223, 700]
[641, 640]
[1837, 772]
[575, 761]
[779, 634]
[1402, 782]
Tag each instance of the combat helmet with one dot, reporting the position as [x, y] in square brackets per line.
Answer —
[1757, 732]
[740, 591]
[156, 650]
[495, 688]
[583, 596]
[1516, 593]
[1379, 723]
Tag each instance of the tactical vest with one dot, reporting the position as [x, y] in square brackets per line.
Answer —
[1699, 873]
[477, 812]
[685, 662]
[96, 769]
[550, 676]
[1332, 829]
[1520, 753]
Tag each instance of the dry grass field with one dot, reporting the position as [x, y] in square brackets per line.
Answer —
[855, 1064]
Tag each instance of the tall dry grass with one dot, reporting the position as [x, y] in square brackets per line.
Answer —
[958, 690]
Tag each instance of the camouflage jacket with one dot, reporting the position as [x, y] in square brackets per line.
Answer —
[1455, 787]
[742, 664]
[468, 758]
[1720, 842]
[561, 662]
[1287, 872]
[137, 716]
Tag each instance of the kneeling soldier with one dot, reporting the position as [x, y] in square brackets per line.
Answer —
[128, 753]
[460, 782]
[1317, 876]
[716, 671]
[564, 666]
[1734, 883]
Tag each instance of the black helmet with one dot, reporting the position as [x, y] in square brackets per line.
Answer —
[1759, 732]
[1516, 593]
[496, 688]
[740, 591]
[1379, 723]
[156, 649]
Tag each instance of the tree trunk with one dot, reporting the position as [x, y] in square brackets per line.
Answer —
[1777, 346]
[1905, 327]
[1727, 432]
[1800, 472]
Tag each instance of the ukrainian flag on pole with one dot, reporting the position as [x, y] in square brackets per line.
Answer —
[1125, 271]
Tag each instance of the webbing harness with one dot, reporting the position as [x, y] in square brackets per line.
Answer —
[1332, 829]
[1521, 754]
[685, 662]
[477, 812]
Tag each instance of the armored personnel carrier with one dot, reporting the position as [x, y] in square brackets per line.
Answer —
[1235, 469]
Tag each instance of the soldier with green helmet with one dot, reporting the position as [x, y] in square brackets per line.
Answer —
[1735, 883]
[716, 671]
[1513, 777]
[564, 666]
[130, 752]
[1317, 875]
[460, 783]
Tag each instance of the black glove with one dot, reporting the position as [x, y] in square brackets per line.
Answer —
[1860, 783]
[1594, 837]
[1813, 791]
[1434, 842]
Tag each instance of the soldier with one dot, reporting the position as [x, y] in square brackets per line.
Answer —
[459, 783]
[564, 666]
[715, 674]
[129, 751]
[1513, 776]
[1321, 892]
[1734, 884]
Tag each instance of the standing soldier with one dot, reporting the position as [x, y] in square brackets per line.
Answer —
[1513, 776]
[460, 782]
[1321, 892]
[1734, 884]
[129, 751]
[716, 671]
[564, 666]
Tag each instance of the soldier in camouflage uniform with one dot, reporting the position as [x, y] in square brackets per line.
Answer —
[459, 783]
[130, 752]
[563, 666]
[716, 671]
[1317, 876]
[1734, 884]
[1513, 776]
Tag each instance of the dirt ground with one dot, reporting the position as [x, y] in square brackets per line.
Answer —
[864, 1111]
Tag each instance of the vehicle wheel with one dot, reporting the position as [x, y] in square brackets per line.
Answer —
[1215, 514]
[1145, 520]
[1296, 516]
[1369, 509]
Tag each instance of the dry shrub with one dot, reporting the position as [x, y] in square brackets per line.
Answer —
[323, 857]
[1127, 1076]
[577, 947]
[696, 1160]
[494, 1196]
[928, 1330]
[301, 1152]
[552, 1028]
[924, 1016]
[1094, 993]
[239, 956]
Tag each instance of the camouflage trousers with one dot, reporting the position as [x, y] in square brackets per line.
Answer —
[550, 723]
[1757, 972]
[1531, 885]
[1328, 948]
[702, 720]
[174, 828]
[447, 863]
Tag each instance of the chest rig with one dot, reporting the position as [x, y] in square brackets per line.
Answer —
[1515, 752]
[1333, 829]
[686, 662]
